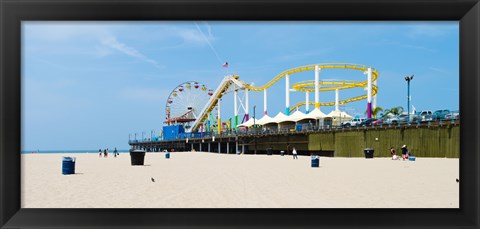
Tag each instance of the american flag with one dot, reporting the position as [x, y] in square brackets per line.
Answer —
[225, 65]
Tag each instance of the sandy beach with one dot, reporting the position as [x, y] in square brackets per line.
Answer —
[211, 180]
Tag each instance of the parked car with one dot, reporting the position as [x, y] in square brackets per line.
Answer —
[425, 116]
[403, 118]
[377, 122]
[440, 114]
[453, 115]
[415, 117]
[353, 122]
[367, 122]
[390, 120]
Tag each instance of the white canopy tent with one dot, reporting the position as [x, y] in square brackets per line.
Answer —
[265, 119]
[280, 117]
[316, 114]
[339, 116]
[249, 123]
[297, 116]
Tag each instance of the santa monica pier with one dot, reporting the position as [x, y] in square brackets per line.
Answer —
[193, 120]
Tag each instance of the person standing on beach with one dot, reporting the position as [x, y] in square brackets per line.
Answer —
[115, 152]
[100, 153]
[105, 153]
[404, 152]
[294, 152]
[393, 153]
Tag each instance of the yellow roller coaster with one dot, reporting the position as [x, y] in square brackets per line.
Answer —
[330, 86]
[324, 85]
[311, 67]
[299, 86]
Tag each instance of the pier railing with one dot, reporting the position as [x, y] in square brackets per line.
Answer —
[291, 129]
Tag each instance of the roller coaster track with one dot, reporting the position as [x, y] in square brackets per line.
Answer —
[217, 94]
[330, 86]
[311, 67]
[300, 86]
[341, 102]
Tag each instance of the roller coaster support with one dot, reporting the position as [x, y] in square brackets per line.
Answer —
[336, 100]
[369, 93]
[235, 109]
[287, 94]
[265, 101]
[219, 123]
[317, 87]
[307, 103]
[375, 96]
[247, 104]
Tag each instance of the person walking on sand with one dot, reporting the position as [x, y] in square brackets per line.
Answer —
[105, 153]
[115, 152]
[100, 153]
[294, 152]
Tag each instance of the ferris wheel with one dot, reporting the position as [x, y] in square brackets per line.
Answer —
[186, 101]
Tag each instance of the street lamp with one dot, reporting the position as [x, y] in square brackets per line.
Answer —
[408, 79]
[254, 128]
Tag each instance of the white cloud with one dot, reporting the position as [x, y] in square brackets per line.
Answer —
[102, 51]
[112, 42]
[192, 36]
[98, 39]
[207, 39]
[209, 29]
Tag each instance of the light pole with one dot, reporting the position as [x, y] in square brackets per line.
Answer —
[408, 79]
[254, 129]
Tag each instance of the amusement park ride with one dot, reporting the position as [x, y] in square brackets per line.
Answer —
[190, 104]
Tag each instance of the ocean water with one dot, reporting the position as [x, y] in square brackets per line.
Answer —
[70, 151]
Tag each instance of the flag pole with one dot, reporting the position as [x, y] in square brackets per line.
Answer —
[225, 65]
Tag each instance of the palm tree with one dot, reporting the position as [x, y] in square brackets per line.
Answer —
[395, 111]
[375, 111]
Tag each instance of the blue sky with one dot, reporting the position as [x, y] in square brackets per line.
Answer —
[89, 85]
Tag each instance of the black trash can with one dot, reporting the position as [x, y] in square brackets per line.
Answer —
[368, 152]
[137, 156]
[68, 165]
[269, 151]
[315, 161]
[282, 152]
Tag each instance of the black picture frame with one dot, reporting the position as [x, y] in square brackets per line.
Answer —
[13, 12]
